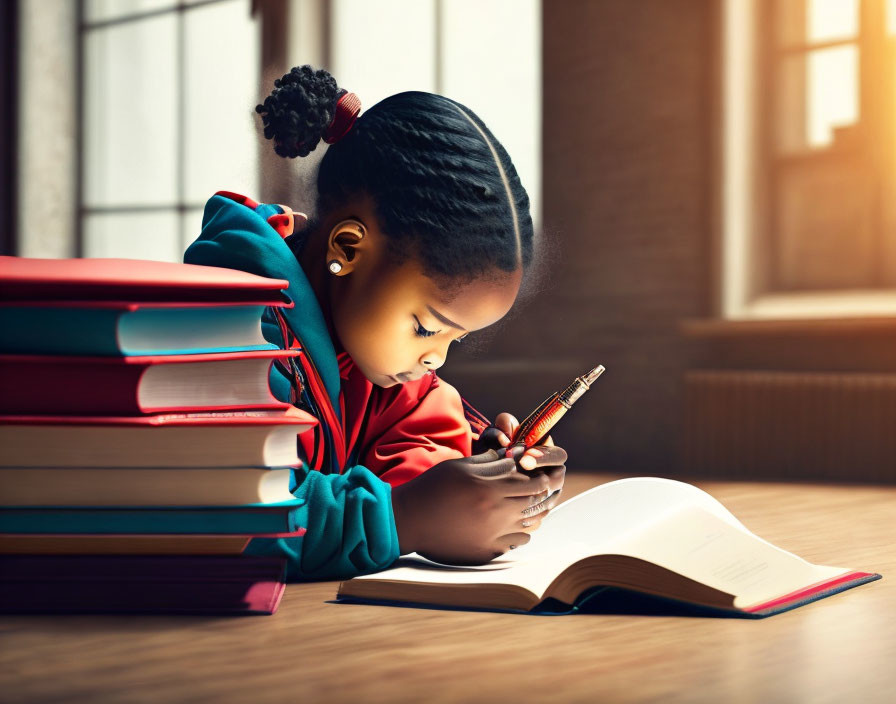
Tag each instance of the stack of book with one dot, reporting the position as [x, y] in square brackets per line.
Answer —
[141, 448]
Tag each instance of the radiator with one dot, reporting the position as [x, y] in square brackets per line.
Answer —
[788, 425]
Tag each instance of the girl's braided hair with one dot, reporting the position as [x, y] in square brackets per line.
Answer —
[433, 169]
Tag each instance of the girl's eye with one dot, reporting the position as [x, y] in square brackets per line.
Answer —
[422, 331]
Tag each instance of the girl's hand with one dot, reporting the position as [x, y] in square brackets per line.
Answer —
[471, 509]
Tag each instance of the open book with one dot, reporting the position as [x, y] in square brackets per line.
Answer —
[654, 536]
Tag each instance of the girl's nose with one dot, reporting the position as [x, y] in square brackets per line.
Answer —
[432, 360]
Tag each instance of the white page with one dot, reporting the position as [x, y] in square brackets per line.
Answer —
[694, 543]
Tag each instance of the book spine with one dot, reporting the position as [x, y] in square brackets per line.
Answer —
[248, 521]
[29, 330]
[811, 593]
[192, 584]
[32, 387]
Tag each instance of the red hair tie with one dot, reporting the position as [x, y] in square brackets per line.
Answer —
[347, 110]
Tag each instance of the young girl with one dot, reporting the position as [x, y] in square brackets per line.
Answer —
[421, 235]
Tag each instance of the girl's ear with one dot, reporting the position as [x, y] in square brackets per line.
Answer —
[345, 242]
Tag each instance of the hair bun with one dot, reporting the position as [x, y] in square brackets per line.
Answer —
[298, 112]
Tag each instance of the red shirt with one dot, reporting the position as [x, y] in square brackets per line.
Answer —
[401, 431]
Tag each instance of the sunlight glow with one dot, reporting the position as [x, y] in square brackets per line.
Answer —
[828, 20]
[832, 94]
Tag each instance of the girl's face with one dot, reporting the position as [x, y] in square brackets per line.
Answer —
[396, 323]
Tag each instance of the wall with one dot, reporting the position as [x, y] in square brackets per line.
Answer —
[628, 139]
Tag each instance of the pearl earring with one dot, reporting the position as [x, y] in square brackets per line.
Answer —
[335, 266]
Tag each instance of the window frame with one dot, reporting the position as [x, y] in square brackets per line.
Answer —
[750, 286]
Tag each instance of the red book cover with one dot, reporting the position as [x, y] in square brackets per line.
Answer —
[112, 386]
[58, 281]
[289, 416]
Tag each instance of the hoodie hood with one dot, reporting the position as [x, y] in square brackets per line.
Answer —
[237, 235]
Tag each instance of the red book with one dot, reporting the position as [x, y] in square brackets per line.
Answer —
[68, 280]
[112, 386]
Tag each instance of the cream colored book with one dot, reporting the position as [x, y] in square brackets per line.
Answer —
[648, 535]
[143, 486]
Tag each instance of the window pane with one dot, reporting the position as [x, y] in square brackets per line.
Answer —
[471, 69]
[133, 235]
[817, 93]
[130, 129]
[828, 20]
[222, 73]
[384, 47]
[98, 10]
[833, 95]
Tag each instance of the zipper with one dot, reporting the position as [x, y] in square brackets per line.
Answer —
[312, 388]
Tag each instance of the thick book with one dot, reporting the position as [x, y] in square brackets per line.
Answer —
[25, 279]
[139, 486]
[278, 520]
[121, 328]
[171, 544]
[645, 535]
[109, 386]
[201, 584]
[222, 439]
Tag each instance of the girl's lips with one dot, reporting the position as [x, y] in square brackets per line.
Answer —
[404, 377]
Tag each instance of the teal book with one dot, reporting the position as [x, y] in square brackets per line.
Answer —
[131, 329]
[268, 520]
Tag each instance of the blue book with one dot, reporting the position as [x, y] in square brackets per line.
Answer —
[270, 520]
[131, 329]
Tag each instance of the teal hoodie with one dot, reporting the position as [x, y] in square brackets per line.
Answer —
[348, 516]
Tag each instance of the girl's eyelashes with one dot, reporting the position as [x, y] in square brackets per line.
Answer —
[421, 331]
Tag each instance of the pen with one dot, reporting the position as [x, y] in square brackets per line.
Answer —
[538, 424]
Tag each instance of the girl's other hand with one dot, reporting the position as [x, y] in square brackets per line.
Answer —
[497, 436]
[470, 510]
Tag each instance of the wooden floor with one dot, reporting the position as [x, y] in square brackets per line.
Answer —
[841, 649]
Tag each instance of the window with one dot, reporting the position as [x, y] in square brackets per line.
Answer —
[150, 103]
[810, 151]
[168, 94]
[485, 55]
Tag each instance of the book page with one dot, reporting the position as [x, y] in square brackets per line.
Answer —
[534, 573]
[695, 543]
[607, 513]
